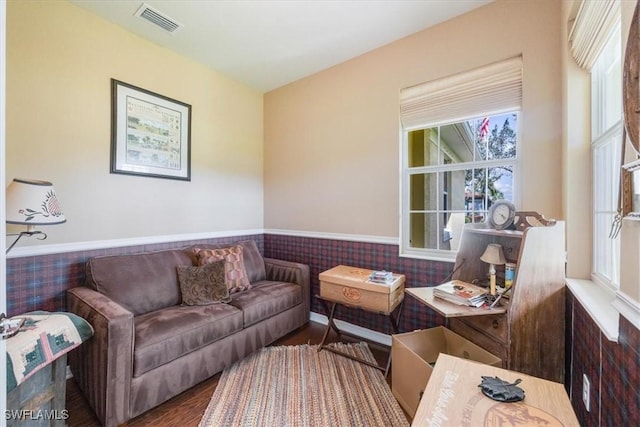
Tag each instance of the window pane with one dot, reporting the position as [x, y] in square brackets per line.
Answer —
[484, 187]
[433, 231]
[606, 175]
[497, 137]
[422, 191]
[424, 148]
[438, 190]
[606, 251]
[606, 87]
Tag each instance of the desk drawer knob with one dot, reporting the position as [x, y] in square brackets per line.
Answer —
[496, 324]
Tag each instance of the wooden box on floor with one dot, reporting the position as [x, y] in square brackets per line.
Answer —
[414, 354]
[351, 286]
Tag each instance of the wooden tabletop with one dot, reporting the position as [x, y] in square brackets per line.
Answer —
[453, 398]
[449, 309]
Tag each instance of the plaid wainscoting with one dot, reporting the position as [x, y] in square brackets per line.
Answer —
[323, 254]
[613, 370]
[40, 282]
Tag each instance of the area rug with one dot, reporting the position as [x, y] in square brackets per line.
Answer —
[298, 386]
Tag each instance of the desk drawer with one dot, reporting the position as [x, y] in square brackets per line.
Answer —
[489, 343]
[494, 326]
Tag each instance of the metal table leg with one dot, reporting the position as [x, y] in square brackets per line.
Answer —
[330, 307]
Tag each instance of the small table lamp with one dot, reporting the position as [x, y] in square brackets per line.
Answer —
[493, 256]
[32, 202]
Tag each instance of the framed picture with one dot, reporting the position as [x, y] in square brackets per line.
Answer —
[150, 133]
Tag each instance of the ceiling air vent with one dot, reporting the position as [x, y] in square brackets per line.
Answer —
[158, 18]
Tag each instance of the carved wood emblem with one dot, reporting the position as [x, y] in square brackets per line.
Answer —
[351, 294]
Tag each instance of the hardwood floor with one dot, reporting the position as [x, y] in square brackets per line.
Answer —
[187, 408]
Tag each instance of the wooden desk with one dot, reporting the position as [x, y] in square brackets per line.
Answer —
[453, 398]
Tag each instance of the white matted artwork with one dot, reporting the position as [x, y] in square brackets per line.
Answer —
[150, 133]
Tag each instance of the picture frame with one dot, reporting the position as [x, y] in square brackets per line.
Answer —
[150, 133]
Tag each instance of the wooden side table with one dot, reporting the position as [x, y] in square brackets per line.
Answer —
[350, 287]
[36, 367]
[453, 398]
[40, 400]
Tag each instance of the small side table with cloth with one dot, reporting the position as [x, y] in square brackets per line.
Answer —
[36, 367]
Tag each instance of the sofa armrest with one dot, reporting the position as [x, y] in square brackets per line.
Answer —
[103, 365]
[292, 272]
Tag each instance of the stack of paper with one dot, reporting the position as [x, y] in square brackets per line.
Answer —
[461, 293]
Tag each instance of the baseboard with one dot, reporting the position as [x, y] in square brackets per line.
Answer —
[352, 329]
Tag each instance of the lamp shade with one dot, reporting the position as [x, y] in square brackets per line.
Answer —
[493, 254]
[33, 202]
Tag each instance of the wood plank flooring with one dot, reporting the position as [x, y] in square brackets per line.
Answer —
[186, 409]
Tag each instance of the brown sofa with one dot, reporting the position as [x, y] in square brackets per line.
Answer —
[148, 347]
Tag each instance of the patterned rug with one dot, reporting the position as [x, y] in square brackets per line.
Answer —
[299, 386]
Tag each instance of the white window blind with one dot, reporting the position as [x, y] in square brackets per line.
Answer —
[594, 23]
[491, 89]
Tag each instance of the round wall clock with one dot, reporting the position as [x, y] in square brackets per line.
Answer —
[501, 214]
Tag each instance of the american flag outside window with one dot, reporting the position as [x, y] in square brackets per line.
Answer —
[484, 128]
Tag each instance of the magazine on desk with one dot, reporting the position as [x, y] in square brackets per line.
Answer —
[461, 293]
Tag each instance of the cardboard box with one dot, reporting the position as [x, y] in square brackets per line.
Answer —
[351, 286]
[413, 355]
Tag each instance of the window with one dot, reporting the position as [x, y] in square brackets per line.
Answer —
[454, 173]
[459, 145]
[606, 146]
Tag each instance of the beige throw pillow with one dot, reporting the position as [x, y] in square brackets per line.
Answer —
[235, 274]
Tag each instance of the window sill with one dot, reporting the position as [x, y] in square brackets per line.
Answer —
[598, 302]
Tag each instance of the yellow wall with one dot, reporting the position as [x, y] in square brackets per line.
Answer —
[60, 60]
[332, 139]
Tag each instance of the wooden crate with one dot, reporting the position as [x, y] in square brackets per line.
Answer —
[350, 286]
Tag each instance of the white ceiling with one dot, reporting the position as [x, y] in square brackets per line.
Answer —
[266, 44]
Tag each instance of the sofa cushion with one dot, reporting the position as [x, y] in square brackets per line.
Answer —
[167, 334]
[253, 261]
[266, 298]
[235, 273]
[203, 285]
[141, 283]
